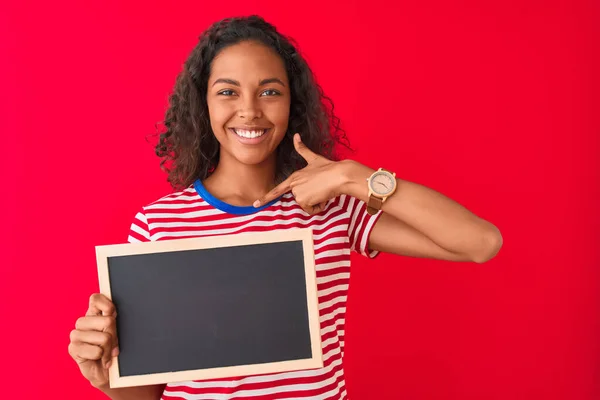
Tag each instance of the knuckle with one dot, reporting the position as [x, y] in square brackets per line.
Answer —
[80, 322]
[71, 349]
[94, 298]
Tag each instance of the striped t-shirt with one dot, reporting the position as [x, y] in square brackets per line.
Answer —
[343, 225]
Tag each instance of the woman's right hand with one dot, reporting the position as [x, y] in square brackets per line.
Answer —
[94, 340]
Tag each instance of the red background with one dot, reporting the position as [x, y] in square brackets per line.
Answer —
[492, 103]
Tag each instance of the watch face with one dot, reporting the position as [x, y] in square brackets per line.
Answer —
[383, 183]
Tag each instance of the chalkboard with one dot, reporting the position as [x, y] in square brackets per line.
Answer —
[212, 307]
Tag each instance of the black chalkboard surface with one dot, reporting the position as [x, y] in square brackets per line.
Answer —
[212, 307]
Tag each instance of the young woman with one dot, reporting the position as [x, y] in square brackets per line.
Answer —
[249, 146]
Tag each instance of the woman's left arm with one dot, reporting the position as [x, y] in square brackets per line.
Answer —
[416, 220]
[421, 222]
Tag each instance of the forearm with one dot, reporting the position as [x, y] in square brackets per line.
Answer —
[153, 392]
[444, 221]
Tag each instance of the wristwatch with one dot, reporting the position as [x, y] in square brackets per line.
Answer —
[382, 184]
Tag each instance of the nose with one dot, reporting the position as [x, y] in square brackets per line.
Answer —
[249, 109]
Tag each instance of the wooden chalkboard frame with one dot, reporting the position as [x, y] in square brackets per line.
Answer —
[104, 252]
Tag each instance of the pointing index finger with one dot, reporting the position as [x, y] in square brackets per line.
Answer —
[280, 189]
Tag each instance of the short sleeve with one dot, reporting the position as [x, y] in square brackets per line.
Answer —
[360, 225]
[139, 230]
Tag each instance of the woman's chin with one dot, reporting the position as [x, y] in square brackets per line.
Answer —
[251, 158]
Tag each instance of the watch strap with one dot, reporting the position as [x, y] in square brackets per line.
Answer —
[374, 204]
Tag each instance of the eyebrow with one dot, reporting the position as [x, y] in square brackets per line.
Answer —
[261, 83]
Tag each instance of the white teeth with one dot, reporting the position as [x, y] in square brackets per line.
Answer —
[249, 134]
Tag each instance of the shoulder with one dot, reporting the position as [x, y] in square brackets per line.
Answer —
[172, 212]
[175, 199]
[173, 203]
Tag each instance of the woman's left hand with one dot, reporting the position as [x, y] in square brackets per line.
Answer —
[312, 186]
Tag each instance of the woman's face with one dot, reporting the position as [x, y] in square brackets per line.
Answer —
[248, 100]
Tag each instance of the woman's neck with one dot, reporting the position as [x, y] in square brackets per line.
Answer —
[238, 184]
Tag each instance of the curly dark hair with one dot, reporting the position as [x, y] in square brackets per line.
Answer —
[187, 146]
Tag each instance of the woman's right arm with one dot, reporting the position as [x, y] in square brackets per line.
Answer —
[135, 393]
[93, 346]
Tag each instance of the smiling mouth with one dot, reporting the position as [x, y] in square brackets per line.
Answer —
[249, 134]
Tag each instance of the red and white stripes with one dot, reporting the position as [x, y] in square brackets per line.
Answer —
[343, 226]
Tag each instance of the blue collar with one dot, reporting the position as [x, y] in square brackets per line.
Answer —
[225, 207]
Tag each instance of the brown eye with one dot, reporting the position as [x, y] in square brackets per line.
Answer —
[271, 92]
[226, 92]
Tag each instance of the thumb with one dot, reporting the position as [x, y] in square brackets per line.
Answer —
[304, 151]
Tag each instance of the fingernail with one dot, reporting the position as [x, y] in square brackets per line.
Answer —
[256, 203]
[115, 352]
